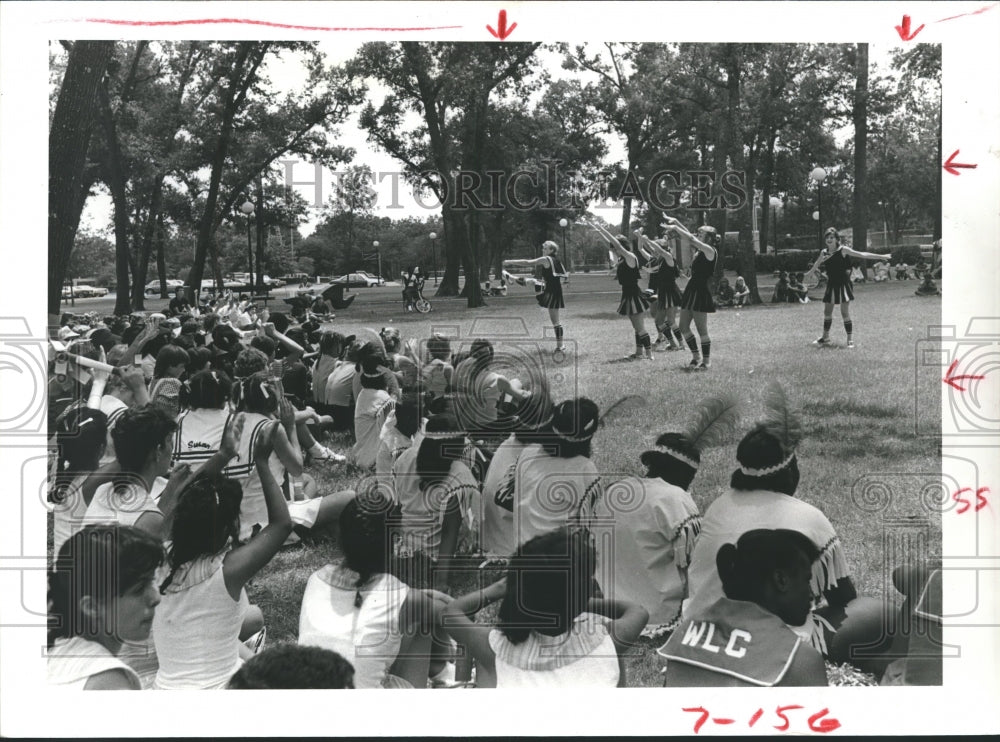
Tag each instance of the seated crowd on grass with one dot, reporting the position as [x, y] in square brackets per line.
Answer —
[181, 457]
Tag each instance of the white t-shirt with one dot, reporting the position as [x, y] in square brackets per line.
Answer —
[122, 505]
[340, 385]
[583, 657]
[68, 515]
[74, 661]
[498, 523]
[369, 416]
[655, 525]
[551, 492]
[391, 444]
[477, 395]
[423, 511]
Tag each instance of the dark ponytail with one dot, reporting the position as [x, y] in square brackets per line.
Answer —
[206, 518]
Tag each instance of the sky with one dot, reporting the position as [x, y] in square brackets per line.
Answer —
[287, 74]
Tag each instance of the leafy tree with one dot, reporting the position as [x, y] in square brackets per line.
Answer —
[448, 151]
[69, 140]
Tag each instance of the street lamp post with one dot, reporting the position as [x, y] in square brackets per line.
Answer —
[819, 175]
[433, 236]
[885, 225]
[247, 208]
[564, 223]
[775, 204]
[378, 257]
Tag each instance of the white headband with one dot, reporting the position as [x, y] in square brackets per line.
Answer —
[769, 470]
[679, 456]
[588, 433]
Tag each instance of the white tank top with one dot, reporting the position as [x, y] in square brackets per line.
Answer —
[196, 628]
[367, 636]
[253, 511]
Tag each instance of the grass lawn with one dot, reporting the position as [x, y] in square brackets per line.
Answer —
[857, 410]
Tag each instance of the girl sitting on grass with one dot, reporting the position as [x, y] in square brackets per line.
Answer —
[90, 615]
[435, 490]
[205, 611]
[358, 609]
[550, 631]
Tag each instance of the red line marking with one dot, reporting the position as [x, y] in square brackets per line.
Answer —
[974, 12]
[253, 22]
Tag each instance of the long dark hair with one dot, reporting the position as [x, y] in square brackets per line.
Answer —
[206, 518]
[81, 436]
[365, 536]
[102, 562]
[256, 393]
[549, 582]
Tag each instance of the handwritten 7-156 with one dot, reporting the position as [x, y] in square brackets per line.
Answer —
[816, 722]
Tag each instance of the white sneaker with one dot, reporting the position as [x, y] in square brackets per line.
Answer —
[326, 455]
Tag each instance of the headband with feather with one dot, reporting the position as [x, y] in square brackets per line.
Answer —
[781, 421]
[715, 419]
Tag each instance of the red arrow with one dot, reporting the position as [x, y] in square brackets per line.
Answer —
[949, 379]
[504, 31]
[950, 166]
[904, 29]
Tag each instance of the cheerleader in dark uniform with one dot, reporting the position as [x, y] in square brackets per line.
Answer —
[633, 303]
[551, 297]
[697, 302]
[664, 273]
[835, 259]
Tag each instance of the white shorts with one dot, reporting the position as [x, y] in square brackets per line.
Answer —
[304, 512]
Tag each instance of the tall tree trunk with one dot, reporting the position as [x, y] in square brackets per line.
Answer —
[161, 261]
[860, 115]
[114, 175]
[69, 140]
[208, 222]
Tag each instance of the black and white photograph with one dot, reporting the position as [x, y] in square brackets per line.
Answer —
[456, 356]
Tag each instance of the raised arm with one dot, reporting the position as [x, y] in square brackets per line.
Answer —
[704, 247]
[864, 255]
[526, 262]
[245, 561]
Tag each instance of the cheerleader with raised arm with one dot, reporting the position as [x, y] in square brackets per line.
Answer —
[835, 258]
[664, 272]
[551, 297]
[697, 302]
[633, 303]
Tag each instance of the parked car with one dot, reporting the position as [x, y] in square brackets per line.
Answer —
[379, 281]
[297, 278]
[355, 280]
[83, 291]
[153, 287]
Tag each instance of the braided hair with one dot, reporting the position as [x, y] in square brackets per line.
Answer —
[365, 536]
[206, 519]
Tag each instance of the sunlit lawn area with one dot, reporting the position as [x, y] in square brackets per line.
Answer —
[857, 410]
